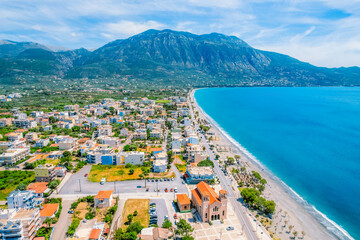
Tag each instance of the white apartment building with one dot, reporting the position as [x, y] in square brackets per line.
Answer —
[13, 155]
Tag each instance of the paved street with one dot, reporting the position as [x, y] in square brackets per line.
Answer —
[250, 234]
[64, 221]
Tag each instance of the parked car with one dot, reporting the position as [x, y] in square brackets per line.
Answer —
[230, 228]
[166, 190]
[172, 189]
[172, 179]
[166, 217]
[138, 186]
[70, 211]
[86, 175]
[147, 189]
[175, 216]
[152, 204]
[175, 189]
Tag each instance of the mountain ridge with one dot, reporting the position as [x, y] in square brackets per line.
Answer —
[169, 57]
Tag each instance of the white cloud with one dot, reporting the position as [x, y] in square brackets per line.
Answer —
[128, 28]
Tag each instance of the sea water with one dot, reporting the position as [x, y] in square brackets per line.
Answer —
[308, 137]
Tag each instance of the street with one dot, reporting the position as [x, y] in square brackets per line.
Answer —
[64, 221]
[250, 234]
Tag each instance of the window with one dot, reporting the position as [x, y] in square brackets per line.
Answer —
[223, 213]
[205, 215]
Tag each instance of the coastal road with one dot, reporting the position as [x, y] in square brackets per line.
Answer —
[226, 185]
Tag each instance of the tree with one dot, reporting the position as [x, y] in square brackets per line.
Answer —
[121, 172]
[131, 171]
[167, 224]
[52, 120]
[263, 181]
[66, 154]
[53, 184]
[135, 213]
[230, 161]
[206, 163]
[269, 207]
[303, 233]
[21, 187]
[130, 218]
[184, 228]
[48, 221]
[295, 233]
[135, 227]
[290, 228]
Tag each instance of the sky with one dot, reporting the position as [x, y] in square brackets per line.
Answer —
[321, 32]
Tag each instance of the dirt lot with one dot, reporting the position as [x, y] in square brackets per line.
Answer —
[141, 206]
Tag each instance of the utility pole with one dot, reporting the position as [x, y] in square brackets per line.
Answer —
[80, 185]
[157, 189]
[114, 187]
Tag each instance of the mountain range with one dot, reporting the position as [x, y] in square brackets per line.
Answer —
[166, 57]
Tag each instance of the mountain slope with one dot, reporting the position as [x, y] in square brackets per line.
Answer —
[173, 58]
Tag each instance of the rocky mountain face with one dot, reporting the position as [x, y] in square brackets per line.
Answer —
[168, 57]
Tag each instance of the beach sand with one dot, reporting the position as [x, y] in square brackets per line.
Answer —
[296, 213]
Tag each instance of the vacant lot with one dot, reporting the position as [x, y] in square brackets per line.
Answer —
[139, 205]
[9, 180]
[114, 173]
[181, 167]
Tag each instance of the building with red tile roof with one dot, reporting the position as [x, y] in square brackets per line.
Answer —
[183, 202]
[208, 203]
[104, 198]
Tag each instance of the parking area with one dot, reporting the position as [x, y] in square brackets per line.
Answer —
[161, 210]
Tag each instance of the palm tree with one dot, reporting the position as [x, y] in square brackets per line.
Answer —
[295, 233]
[290, 228]
[303, 233]
[48, 221]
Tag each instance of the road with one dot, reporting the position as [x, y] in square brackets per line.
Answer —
[225, 184]
[64, 221]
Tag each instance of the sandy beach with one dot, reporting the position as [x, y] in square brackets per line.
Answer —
[290, 209]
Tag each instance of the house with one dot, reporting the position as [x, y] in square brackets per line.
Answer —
[40, 143]
[183, 202]
[194, 174]
[124, 132]
[23, 225]
[156, 150]
[208, 203]
[104, 198]
[156, 233]
[48, 210]
[13, 136]
[60, 171]
[39, 188]
[21, 199]
[95, 234]
[31, 136]
[67, 143]
[44, 173]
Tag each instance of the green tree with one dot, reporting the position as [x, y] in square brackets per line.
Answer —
[135, 227]
[48, 221]
[52, 120]
[66, 154]
[184, 228]
[167, 224]
[130, 218]
[131, 171]
[135, 213]
[21, 187]
[206, 163]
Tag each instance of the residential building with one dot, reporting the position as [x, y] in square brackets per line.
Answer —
[67, 143]
[134, 158]
[195, 175]
[183, 202]
[31, 136]
[23, 225]
[40, 143]
[21, 199]
[60, 171]
[156, 233]
[13, 155]
[44, 173]
[104, 198]
[111, 141]
[48, 210]
[208, 203]
[5, 122]
[13, 136]
[39, 188]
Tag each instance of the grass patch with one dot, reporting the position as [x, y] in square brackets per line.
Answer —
[181, 167]
[114, 173]
[162, 101]
[139, 205]
[9, 180]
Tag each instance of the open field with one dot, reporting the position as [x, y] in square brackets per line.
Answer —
[114, 173]
[141, 206]
[162, 101]
[9, 180]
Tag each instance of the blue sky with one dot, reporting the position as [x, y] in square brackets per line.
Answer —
[322, 32]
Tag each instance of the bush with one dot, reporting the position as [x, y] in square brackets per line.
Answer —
[89, 215]
[72, 228]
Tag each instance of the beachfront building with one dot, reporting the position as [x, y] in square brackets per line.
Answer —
[208, 203]
[195, 175]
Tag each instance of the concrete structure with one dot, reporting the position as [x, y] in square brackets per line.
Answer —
[45, 173]
[11, 156]
[21, 199]
[103, 199]
[194, 175]
[208, 204]
[23, 225]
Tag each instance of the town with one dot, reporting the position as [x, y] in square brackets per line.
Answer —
[134, 168]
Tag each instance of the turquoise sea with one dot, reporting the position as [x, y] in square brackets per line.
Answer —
[308, 137]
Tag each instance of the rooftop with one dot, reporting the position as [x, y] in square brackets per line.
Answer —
[104, 194]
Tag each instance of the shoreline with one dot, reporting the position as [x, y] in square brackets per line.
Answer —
[302, 214]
